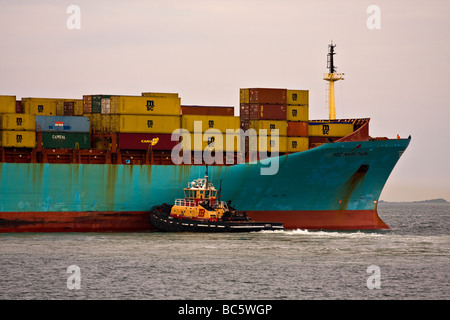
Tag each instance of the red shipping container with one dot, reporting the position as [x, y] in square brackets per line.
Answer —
[19, 108]
[87, 104]
[297, 129]
[267, 112]
[245, 124]
[244, 111]
[142, 141]
[69, 107]
[267, 96]
[207, 110]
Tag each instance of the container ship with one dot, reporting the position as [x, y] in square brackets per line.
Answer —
[101, 162]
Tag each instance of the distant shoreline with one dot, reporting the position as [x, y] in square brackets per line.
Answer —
[440, 200]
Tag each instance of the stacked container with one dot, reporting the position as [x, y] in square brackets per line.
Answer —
[265, 108]
[297, 117]
[17, 130]
[145, 121]
[69, 107]
[64, 132]
[199, 120]
[323, 131]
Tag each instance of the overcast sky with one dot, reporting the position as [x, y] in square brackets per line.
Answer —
[206, 50]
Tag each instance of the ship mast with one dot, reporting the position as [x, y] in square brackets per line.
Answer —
[331, 77]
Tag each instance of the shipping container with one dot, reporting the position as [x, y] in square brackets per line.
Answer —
[244, 111]
[214, 142]
[7, 104]
[97, 102]
[65, 107]
[269, 125]
[267, 96]
[297, 113]
[96, 122]
[222, 123]
[148, 124]
[160, 95]
[40, 106]
[87, 104]
[66, 140]
[245, 124]
[19, 108]
[244, 96]
[297, 97]
[69, 108]
[62, 124]
[207, 110]
[106, 106]
[297, 129]
[330, 129]
[59, 107]
[145, 105]
[297, 144]
[267, 111]
[142, 141]
[18, 139]
[78, 108]
[109, 123]
[17, 121]
[271, 144]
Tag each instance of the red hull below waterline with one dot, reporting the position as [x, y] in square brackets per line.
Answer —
[139, 221]
[323, 220]
[105, 221]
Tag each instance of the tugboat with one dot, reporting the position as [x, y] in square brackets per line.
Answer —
[201, 210]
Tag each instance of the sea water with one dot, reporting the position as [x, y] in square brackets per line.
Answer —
[409, 261]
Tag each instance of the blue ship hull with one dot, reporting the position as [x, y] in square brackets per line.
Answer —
[334, 186]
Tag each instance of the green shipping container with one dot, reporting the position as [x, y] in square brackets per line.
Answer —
[66, 140]
[97, 102]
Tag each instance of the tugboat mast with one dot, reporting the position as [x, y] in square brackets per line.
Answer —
[331, 77]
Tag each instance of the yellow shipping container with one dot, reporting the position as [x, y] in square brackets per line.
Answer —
[145, 105]
[7, 104]
[222, 123]
[17, 121]
[297, 144]
[297, 113]
[297, 97]
[96, 122]
[244, 96]
[324, 129]
[39, 106]
[160, 95]
[217, 142]
[60, 107]
[110, 123]
[78, 108]
[106, 123]
[18, 139]
[271, 144]
[269, 125]
[148, 124]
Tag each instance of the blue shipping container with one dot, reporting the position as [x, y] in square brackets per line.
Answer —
[62, 124]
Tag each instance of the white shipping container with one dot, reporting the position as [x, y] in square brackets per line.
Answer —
[106, 106]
